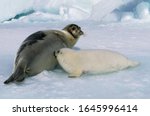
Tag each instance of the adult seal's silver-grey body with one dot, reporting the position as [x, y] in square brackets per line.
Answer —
[37, 51]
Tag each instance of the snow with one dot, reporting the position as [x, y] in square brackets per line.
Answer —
[119, 25]
[127, 16]
[130, 39]
[98, 12]
[142, 10]
[65, 9]
[30, 11]
[9, 8]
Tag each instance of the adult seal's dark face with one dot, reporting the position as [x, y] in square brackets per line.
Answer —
[74, 30]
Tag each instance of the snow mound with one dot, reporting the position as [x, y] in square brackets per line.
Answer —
[103, 8]
[73, 10]
[11, 8]
[64, 9]
[142, 10]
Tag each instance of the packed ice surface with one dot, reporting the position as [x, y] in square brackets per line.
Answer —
[65, 9]
[130, 39]
[30, 11]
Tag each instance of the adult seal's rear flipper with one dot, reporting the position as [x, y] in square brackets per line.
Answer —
[17, 76]
[10, 79]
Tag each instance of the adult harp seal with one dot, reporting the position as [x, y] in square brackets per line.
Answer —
[37, 51]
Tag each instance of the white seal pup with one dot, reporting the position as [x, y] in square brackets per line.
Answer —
[77, 62]
[37, 51]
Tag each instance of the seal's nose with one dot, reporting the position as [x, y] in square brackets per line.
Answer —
[81, 32]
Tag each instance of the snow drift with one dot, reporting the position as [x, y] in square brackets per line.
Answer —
[52, 10]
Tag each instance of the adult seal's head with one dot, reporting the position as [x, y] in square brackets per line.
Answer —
[37, 51]
[72, 33]
[74, 30]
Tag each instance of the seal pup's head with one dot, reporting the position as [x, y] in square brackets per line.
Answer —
[67, 59]
[74, 30]
[64, 55]
[63, 52]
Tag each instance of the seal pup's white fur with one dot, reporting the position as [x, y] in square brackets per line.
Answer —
[77, 62]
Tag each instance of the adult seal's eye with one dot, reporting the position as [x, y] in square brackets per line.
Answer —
[73, 28]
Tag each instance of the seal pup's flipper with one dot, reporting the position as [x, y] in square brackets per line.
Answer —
[18, 76]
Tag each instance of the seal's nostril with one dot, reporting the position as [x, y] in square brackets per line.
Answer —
[58, 51]
[81, 33]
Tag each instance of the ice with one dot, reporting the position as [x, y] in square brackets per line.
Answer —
[9, 8]
[127, 16]
[37, 17]
[142, 10]
[112, 17]
[29, 11]
[65, 9]
[102, 8]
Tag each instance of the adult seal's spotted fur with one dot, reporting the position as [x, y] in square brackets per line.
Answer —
[37, 51]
